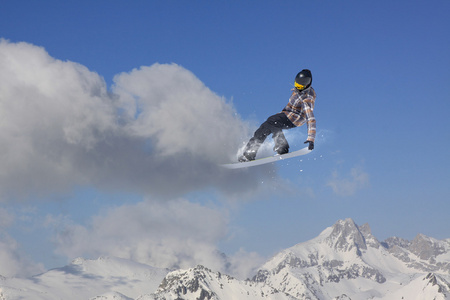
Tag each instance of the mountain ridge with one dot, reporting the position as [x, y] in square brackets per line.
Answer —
[345, 261]
[345, 253]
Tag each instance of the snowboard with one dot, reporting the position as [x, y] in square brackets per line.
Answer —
[266, 160]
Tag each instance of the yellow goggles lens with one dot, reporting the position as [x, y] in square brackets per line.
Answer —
[299, 86]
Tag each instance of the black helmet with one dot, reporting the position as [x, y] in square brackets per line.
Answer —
[303, 79]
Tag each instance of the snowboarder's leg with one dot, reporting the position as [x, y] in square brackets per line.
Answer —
[279, 122]
[252, 146]
[273, 125]
[281, 144]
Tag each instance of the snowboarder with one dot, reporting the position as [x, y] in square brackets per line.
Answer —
[297, 112]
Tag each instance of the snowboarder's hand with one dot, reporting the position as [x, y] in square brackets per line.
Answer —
[311, 145]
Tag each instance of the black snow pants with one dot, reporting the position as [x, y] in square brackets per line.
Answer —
[273, 125]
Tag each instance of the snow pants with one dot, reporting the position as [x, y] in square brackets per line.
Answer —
[273, 125]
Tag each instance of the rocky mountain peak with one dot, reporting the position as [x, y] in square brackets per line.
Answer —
[426, 247]
[201, 283]
[346, 236]
[190, 281]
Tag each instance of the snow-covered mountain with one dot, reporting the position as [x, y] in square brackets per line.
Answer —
[84, 279]
[347, 262]
[344, 262]
[202, 283]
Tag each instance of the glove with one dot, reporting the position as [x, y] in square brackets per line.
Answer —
[311, 145]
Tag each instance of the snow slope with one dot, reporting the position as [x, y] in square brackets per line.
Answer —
[345, 262]
[84, 279]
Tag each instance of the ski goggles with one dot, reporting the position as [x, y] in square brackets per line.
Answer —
[298, 86]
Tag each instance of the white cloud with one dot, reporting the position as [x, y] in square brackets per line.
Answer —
[177, 111]
[158, 131]
[348, 185]
[6, 219]
[172, 234]
[13, 260]
[161, 130]
[169, 234]
[244, 264]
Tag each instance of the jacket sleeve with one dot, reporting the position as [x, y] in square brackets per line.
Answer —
[310, 119]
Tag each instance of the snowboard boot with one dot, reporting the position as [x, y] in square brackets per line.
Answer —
[250, 151]
[281, 149]
[281, 144]
[248, 155]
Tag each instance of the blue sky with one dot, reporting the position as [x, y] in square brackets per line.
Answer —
[380, 71]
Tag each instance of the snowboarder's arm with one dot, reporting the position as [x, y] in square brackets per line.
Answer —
[310, 119]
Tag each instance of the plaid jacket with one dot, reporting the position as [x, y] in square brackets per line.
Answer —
[300, 110]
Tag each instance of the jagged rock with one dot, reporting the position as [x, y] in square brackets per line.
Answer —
[426, 247]
[396, 241]
[201, 283]
[346, 236]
